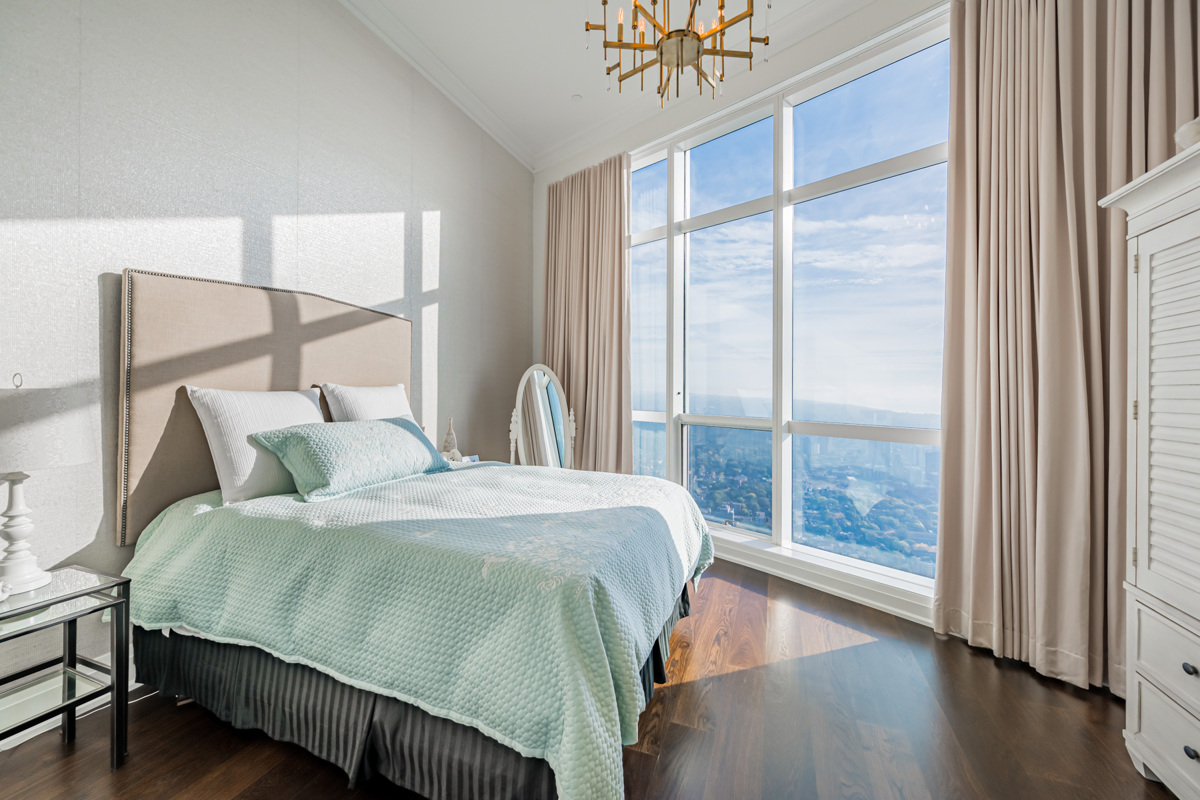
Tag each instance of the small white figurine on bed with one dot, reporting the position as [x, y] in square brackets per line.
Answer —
[450, 444]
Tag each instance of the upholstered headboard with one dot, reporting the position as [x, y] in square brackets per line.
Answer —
[177, 330]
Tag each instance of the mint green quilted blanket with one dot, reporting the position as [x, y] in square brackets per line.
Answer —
[521, 601]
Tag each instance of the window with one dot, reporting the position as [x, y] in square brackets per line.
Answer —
[811, 418]
[730, 169]
[869, 268]
[871, 500]
[648, 321]
[727, 339]
[648, 197]
[729, 475]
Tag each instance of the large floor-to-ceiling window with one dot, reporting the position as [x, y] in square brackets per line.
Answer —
[788, 272]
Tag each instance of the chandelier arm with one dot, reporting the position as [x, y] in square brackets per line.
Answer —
[729, 23]
[651, 63]
[630, 46]
[704, 75]
[692, 15]
[716, 51]
[665, 86]
[638, 8]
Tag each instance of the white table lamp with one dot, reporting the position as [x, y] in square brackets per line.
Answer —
[39, 429]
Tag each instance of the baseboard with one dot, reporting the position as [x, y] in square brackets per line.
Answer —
[912, 602]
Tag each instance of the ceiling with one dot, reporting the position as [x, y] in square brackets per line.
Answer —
[516, 67]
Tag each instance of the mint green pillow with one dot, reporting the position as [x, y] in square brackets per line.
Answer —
[328, 459]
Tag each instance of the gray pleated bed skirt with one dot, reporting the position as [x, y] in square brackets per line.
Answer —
[362, 732]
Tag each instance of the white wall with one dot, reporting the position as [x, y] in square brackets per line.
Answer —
[818, 47]
[276, 143]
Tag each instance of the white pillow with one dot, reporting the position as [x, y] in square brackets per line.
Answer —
[358, 403]
[245, 468]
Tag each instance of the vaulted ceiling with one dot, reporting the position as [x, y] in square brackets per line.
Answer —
[520, 68]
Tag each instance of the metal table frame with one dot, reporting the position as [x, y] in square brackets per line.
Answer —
[109, 593]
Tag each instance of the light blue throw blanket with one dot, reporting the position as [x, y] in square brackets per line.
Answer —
[521, 601]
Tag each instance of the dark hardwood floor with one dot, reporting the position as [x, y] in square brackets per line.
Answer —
[776, 691]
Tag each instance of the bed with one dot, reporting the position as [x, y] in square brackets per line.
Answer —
[492, 631]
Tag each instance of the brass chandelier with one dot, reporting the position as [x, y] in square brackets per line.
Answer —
[674, 50]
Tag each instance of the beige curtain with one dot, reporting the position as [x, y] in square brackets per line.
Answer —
[1054, 104]
[586, 334]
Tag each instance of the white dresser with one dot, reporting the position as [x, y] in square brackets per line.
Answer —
[1162, 728]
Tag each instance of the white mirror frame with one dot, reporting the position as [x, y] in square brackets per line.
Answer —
[516, 436]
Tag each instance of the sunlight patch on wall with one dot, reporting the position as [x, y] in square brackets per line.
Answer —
[51, 268]
[431, 245]
[355, 258]
[429, 370]
[208, 246]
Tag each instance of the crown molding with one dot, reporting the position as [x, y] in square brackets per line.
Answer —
[384, 24]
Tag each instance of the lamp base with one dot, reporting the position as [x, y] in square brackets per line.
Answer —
[24, 578]
[19, 567]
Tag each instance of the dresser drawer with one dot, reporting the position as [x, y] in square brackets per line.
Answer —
[1163, 650]
[1165, 729]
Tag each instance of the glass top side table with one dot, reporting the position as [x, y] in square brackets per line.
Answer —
[57, 687]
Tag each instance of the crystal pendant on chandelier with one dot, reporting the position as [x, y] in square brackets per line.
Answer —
[654, 45]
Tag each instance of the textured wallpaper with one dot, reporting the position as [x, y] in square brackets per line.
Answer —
[275, 142]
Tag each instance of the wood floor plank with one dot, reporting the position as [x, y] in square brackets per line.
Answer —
[653, 723]
[736, 698]
[236, 774]
[681, 769]
[736, 762]
[775, 692]
[285, 780]
[713, 625]
[639, 769]
[892, 769]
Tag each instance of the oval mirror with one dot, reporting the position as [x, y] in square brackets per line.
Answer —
[542, 431]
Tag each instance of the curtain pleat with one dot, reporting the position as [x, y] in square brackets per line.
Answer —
[1055, 103]
[586, 335]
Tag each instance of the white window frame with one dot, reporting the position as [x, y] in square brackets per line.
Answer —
[891, 590]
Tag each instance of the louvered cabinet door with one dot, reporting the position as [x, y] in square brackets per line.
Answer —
[1168, 424]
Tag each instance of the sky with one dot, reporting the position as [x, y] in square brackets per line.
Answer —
[868, 263]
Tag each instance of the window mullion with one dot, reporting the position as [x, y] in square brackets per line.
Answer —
[928, 437]
[676, 167]
[871, 173]
[781, 381]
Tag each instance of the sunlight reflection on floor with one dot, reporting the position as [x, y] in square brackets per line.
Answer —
[791, 633]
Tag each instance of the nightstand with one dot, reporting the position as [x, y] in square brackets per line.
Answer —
[57, 687]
